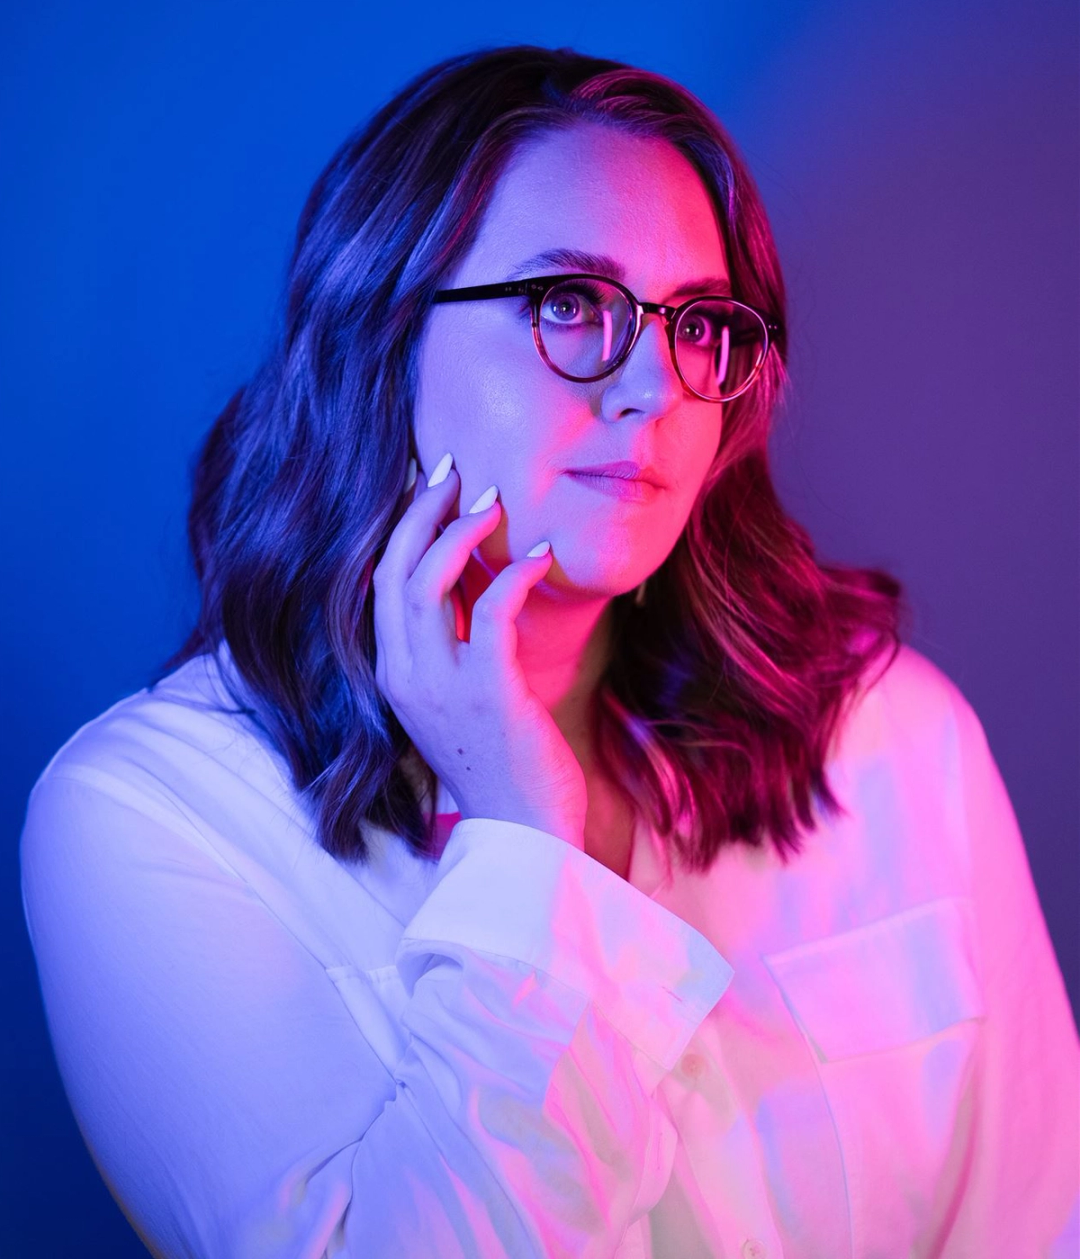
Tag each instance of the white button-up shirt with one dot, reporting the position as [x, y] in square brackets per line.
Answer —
[273, 1054]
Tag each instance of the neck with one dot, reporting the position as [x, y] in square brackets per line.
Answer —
[563, 647]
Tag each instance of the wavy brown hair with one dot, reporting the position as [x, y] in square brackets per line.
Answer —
[724, 690]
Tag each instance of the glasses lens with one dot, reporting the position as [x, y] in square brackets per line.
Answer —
[720, 347]
[584, 326]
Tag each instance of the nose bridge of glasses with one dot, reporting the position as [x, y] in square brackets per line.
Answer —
[666, 316]
[665, 332]
[666, 313]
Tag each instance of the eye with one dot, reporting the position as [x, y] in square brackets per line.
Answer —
[566, 308]
[701, 329]
[571, 306]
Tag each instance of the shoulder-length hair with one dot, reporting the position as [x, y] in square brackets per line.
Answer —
[724, 690]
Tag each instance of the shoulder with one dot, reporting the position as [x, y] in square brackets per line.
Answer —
[164, 750]
[910, 708]
[174, 797]
[911, 763]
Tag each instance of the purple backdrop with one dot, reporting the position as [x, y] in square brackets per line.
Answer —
[920, 164]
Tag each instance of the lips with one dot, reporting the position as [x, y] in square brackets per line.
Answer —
[626, 481]
[623, 470]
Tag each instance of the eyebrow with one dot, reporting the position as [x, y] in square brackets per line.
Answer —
[601, 264]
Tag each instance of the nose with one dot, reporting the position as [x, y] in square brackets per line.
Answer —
[647, 384]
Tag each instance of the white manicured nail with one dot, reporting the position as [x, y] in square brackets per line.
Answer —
[485, 500]
[410, 477]
[442, 470]
[541, 548]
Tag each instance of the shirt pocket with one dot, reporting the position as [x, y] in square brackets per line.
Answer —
[890, 1013]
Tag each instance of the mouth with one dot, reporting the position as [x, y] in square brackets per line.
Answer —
[624, 469]
[624, 480]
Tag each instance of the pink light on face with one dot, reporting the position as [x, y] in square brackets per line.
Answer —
[513, 422]
[618, 487]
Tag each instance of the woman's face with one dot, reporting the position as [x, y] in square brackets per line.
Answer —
[485, 394]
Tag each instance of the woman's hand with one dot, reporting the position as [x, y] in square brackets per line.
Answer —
[467, 706]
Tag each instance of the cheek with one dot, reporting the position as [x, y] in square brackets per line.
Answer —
[705, 453]
[444, 402]
[495, 406]
[697, 450]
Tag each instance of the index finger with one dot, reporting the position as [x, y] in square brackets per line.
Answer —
[418, 526]
[406, 546]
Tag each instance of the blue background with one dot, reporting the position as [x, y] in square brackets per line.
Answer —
[919, 162]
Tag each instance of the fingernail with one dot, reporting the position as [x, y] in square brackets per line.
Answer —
[410, 478]
[541, 548]
[485, 500]
[442, 470]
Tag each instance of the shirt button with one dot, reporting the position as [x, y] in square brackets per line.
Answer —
[692, 1066]
[753, 1249]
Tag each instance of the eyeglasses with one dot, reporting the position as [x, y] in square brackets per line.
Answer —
[585, 326]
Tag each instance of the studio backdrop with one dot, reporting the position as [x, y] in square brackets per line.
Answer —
[919, 163]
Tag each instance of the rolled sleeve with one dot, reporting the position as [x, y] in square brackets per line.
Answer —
[511, 891]
[237, 1107]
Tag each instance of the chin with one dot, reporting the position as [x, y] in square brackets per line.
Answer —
[586, 581]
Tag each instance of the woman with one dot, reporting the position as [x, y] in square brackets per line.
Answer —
[495, 917]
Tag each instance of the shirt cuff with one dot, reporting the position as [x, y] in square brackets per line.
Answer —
[516, 892]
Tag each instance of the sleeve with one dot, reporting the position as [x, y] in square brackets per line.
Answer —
[235, 1108]
[1012, 1185]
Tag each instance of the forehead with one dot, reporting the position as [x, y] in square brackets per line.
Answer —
[599, 190]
